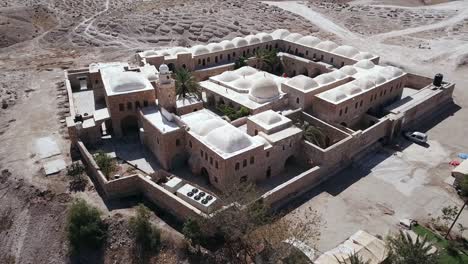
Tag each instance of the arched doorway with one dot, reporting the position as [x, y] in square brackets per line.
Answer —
[205, 175]
[171, 66]
[129, 125]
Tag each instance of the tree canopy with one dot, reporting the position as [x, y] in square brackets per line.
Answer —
[186, 84]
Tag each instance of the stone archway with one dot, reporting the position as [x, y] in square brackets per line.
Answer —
[205, 175]
[129, 125]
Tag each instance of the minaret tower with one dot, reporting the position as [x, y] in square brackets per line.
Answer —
[166, 91]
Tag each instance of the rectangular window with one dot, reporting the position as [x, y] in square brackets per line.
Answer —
[121, 107]
[252, 160]
[346, 110]
[360, 104]
[190, 144]
[216, 164]
[145, 103]
[268, 154]
[244, 164]
[206, 156]
[201, 153]
[355, 105]
[211, 160]
[237, 165]
[137, 104]
[177, 142]
[341, 112]
[129, 106]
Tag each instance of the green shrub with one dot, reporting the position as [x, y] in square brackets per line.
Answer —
[147, 236]
[106, 163]
[232, 113]
[85, 228]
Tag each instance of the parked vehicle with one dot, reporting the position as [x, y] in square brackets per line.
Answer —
[417, 137]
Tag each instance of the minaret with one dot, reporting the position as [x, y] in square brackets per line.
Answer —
[166, 91]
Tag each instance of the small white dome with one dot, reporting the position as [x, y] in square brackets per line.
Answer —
[246, 71]
[365, 64]
[348, 70]
[228, 139]
[293, 37]
[178, 50]
[199, 50]
[215, 47]
[128, 81]
[239, 42]
[363, 56]
[242, 84]
[324, 79]
[205, 127]
[327, 45]
[163, 68]
[308, 41]
[351, 88]
[227, 44]
[263, 89]
[376, 78]
[150, 53]
[338, 75]
[165, 53]
[264, 37]
[346, 51]
[395, 72]
[302, 82]
[228, 76]
[269, 117]
[252, 39]
[280, 33]
[364, 83]
[334, 95]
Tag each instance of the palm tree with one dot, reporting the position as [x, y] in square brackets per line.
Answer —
[240, 62]
[404, 250]
[313, 134]
[267, 60]
[353, 259]
[186, 84]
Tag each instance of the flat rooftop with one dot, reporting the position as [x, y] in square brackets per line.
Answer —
[160, 121]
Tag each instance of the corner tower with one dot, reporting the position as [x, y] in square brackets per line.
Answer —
[166, 91]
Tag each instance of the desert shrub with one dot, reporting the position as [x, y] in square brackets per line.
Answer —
[106, 163]
[78, 180]
[147, 237]
[85, 229]
[232, 113]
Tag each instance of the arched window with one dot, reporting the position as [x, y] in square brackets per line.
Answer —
[297, 100]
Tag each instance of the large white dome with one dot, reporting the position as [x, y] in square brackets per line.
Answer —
[242, 84]
[363, 56]
[302, 82]
[228, 76]
[228, 139]
[177, 50]
[252, 39]
[263, 89]
[348, 70]
[365, 64]
[293, 37]
[346, 51]
[325, 79]
[280, 33]
[246, 71]
[205, 127]
[269, 117]
[264, 37]
[215, 47]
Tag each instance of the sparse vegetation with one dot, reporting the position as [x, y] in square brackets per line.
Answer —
[232, 113]
[240, 62]
[78, 180]
[313, 134]
[106, 163]
[404, 250]
[147, 237]
[267, 60]
[353, 259]
[85, 229]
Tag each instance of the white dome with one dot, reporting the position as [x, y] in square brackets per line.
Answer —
[205, 127]
[214, 47]
[242, 84]
[308, 41]
[228, 76]
[327, 45]
[346, 51]
[324, 79]
[376, 78]
[165, 53]
[348, 70]
[150, 53]
[364, 83]
[338, 75]
[239, 42]
[264, 37]
[228, 139]
[263, 90]
[351, 88]
[395, 72]
[252, 39]
[199, 50]
[334, 95]
[302, 82]
[227, 44]
[280, 33]
[363, 56]
[246, 70]
[163, 68]
[269, 117]
[178, 50]
[365, 64]
[128, 81]
[293, 37]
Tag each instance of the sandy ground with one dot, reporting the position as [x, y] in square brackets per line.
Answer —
[41, 38]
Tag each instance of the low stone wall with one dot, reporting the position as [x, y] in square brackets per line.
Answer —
[137, 184]
[417, 81]
[294, 187]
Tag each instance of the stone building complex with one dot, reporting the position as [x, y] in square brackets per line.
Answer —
[343, 94]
